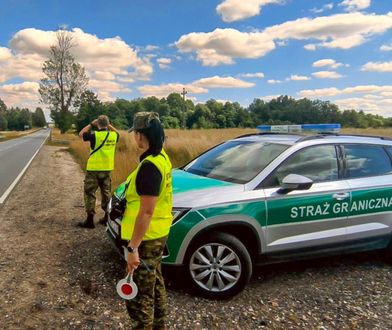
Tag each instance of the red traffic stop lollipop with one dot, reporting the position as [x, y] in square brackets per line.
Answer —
[126, 288]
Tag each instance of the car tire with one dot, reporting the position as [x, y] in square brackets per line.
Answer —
[218, 266]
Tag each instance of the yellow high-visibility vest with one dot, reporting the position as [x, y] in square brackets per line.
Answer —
[162, 217]
[103, 159]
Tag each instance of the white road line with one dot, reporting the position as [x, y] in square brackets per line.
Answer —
[12, 186]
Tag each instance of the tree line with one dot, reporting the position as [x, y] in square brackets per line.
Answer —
[17, 119]
[177, 113]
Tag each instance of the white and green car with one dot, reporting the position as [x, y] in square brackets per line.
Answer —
[272, 197]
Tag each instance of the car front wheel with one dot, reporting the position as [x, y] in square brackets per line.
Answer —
[219, 266]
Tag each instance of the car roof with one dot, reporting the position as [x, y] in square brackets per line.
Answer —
[290, 139]
[269, 137]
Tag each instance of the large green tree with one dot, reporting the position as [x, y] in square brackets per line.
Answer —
[18, 118]
[38, 118]
[3, 122]
[3, 107]
[64, 82]
[90, 107]
[3, 119]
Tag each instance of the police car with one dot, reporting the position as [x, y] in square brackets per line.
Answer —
[275, 196]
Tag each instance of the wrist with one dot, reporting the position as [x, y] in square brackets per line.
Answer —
[132, 249]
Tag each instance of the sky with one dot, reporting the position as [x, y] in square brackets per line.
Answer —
[227, 50]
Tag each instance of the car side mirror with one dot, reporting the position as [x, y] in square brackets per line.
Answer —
[294, 182]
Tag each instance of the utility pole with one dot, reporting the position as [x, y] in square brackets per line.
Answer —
[184, 92]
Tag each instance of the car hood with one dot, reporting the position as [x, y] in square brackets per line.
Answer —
[190, 190]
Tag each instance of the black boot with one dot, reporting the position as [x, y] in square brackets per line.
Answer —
[104, 219]
[88, 223]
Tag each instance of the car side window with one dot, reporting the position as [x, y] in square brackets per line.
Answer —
[366, 160]
[318, 163]
[389, 149]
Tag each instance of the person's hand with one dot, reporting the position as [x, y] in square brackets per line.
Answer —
[133, 261]
[94, 122]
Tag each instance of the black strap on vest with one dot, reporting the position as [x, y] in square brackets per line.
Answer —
[103, 142]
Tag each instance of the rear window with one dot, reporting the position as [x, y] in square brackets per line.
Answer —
[367, 160]
[236, 161]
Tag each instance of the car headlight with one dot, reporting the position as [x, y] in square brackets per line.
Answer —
[178, 213]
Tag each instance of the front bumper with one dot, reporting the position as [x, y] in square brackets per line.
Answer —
[113, 230]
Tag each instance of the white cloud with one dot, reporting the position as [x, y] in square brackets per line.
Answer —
[164, 62]
[326, 62]
[23, 95]
[296, 77]
[370, 98]
[354, 5]
[104, 75]
[252, 75]
[328, 6]
[380, 107]
[151, 48]
[386, 48]
[200, 86]
[5, 54]
[109, 60]
[327, 75]
[164, 90]
[344, 31]
[377, 66]
[293, 77]
[310, 47]
[335, 31]
[222, 45]
[236, 10]
[274, 81]
[24, 66]
[333, 91]
[222, 82]
[268, 98]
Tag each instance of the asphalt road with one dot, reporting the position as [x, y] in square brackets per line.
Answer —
[15, 157]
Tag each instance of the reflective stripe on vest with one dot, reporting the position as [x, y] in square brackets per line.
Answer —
[161, 219]
[103, 159]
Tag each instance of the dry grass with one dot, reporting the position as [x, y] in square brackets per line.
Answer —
[369, 131]
[181, 145]
[9, 135]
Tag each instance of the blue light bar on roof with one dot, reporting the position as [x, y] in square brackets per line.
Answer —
[316, 128]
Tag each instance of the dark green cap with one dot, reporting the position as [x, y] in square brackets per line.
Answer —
[142, 120]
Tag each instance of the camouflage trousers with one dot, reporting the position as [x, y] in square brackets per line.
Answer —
[148, 309]
[92, 181]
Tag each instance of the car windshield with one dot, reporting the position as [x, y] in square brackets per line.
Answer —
[236, 161]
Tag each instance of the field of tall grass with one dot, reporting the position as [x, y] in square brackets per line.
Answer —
[181, 145]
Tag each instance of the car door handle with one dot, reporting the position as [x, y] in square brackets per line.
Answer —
[341, 196]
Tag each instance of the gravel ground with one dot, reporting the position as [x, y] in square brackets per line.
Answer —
[54, 275]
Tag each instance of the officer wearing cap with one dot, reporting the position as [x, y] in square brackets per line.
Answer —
[100, 163]
[146, 222]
